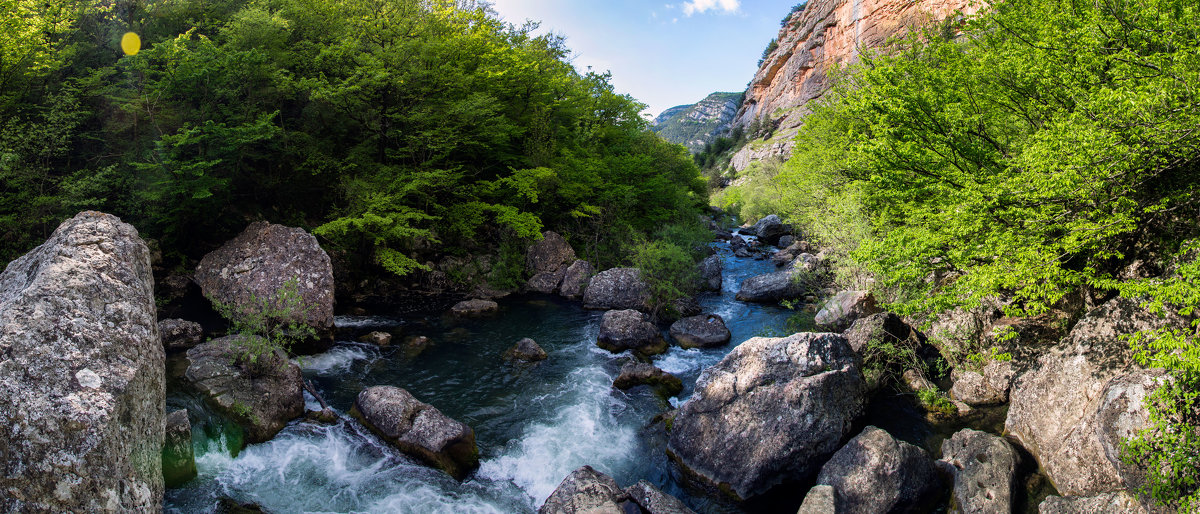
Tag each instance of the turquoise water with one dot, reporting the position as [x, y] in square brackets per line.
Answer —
[533, 424]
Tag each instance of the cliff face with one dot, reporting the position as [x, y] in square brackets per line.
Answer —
[699, 123]
[826, 34]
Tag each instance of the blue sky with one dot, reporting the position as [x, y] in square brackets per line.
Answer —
[662, 52]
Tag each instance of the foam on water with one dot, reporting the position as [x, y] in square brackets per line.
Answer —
[338, 359]
[679, 361]
[364, 322]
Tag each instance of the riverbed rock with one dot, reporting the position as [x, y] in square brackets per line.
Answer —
[771, 411]
[737, 242]
[710, 273]
[178, 461]
[845, 308]
[586, 491]
[526, 350]
[874, 472]
[473, 308]
[575, 279]
[546, 282]
[550, 254]
[630, 330]
[703, 331]
[654, 501]
[179, 334]
[988, 386]
[1073, 406]
[617, 288]
[418, 429]
[819, 500]
[769, 229]
[259, 263]
[261, 398]
[786, 241]
[984, 467]
[377, 338]
[1119, 502]
[83, 373]
[635, 374]
[772, 287]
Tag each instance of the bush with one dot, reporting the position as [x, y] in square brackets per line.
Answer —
[265, 328]
[668, 269]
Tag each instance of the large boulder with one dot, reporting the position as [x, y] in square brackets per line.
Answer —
[179, 335]
[710, 273]
[635, 374]
[769, 229]
[819, 500]
[772, 287]
[1073, 407]
[984, 468]
[630, 330]
[260, 397]
[874, 472]
[475, 307]
[178, 460]
[256, 268]
[547, 282]
[841, 311]
[654, 501]
[575, 279]
[1119, 502]
[587, 491]
[700, 331]
[550, 254]
[989, 385]
[771, 411]
[82, 373]
[617, 288]
[418, 429]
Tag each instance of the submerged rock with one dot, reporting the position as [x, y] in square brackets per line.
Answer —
[874, 472]
[630, 330]
[377, 338]
[476, 307]
[83, 373]
[178, 461]
[771, 411]
[586, 491]
[179, 335]
[617, 288]
[526, 350]
[700, 332]
[1073, 408]
[654, 501]
[255, 266]
[984, 468]
[418, 429]
[261, 398]
[575, 279]
[845, 308]
[710, 273]
[635, 374]
[772, 287]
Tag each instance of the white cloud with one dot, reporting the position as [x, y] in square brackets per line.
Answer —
[701, 6]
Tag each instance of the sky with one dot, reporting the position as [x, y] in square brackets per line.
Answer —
[662, 52]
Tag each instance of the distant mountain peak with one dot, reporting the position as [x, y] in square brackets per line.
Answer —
[700, 123]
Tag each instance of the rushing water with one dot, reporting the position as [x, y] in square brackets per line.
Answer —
[533, 424]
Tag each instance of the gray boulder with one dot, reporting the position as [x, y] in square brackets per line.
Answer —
[526, 350]
[575, 279]
[550, 254]
[83, 388]
[1119, 502]
[772, 287]
[617, 288]
[546, 282]
[984, 468]
[178, 460]
[255, 266]
[476, 307]
[261, 398]
[988, 386]
[769, 229]
[845, 308]
[700, 331]
[654, 501]
[587, 491]
[710, 273]
[630, 330]
[635, 374]
[819, 500]
[876, 473]
[771, 411]
[179, 335]
[418, 429]
[786, 241]
[1073, 406]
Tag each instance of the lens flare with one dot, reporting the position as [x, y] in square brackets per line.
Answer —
[131, 43]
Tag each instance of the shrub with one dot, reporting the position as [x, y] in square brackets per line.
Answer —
[265, 327]
[668, 269]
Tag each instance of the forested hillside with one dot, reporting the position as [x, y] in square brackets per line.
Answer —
[1041, 152]
[700, 123]
[390, 127]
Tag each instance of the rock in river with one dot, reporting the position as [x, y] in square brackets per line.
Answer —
[704, 331]
[418, 429]
[178, 461]
[634, 374]
[261, 398]
[771, 411]
[630, 330]
[83, 388]
[710, 273]
[874, 472]
[617, 288]
[984, 468]
[179, 335]
[587, 491]
[255, 267]
[476, 307]
[526, 350]
[575, 279]
[772, 287]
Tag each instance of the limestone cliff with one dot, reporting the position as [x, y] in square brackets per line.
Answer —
[814, 40]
